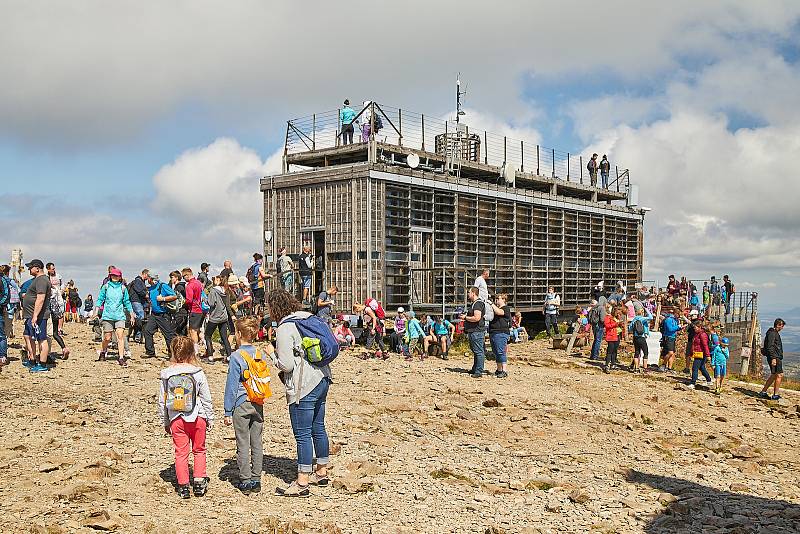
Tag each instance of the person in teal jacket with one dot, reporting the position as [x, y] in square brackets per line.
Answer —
[640, 328]
[719, 361]
[115, 302]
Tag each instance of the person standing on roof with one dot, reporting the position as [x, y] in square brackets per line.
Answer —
[605, 168]
[366, 121]
[346, 117]
[592, 168]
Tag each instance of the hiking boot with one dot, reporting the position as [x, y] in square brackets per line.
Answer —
[183, 491]
[501, 374]
[245, 487]
[445, 356]
[255, 486]
[28, 363]
[763, 395]
[476, 375]
[200, 486]
[122, 361]
[39, 368]
[149, 355]
[606, 369]
[775, 397]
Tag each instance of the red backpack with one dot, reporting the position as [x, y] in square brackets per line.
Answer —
[380, 313]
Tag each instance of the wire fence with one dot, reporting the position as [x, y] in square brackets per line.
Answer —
[427, 133]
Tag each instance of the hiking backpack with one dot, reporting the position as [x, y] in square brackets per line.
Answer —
[256, 377]
[204, 305]
[176, 304]
[380, 313]
[5, 291]
[488, 311]
[638, 328]
[252, 278]
[594, 315]
[180, 392]
[320, 347]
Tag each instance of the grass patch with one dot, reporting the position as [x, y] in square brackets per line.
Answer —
[543, 485]
[445, 473]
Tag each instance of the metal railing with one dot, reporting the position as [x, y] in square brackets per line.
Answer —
[430, 133]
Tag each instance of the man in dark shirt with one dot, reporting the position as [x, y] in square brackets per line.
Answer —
[305, 265]
[726, 281]
[499, 332]
[475, 328]
[35, 310]
[773, 351]
[137, 291]
[324, 304]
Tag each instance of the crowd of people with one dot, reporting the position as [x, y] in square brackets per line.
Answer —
[303, 335]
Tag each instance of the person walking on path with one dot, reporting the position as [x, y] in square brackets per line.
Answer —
[194, 291]
[773, 351]
[186, 421]
[719, 361]
[701, 353]
[346, 117]
[217, 320]
[57, 304]
[499, 333]
[137, 291]
[35, 310]
[286, 270]
[597, 318]
[639, 327]
[614, 324]
[730, 289]
[159, 294]
[115, 301]
[244, 407]
[552, 303]
[474, 327]
[306, 388]
[257, 276]
[5, 300]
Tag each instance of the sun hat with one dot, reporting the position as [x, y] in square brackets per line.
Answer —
[400, 309]
[232, 280]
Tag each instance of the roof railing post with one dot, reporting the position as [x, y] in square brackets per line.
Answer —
[314, 132]
[581, 164]
[485, 148]
[537, 161]
[423, 132]
[553, 154]
[400, 126]
[371, 120]
[522, 156]
[505, 142]
[338, 125]
[568, 166]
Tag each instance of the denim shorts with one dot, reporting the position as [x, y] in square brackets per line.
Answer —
[29, 332]
[720, 370]
[306, 282]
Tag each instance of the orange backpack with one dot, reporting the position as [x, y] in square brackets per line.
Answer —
[256, 377]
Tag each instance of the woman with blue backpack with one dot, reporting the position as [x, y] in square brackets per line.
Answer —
[304, 346]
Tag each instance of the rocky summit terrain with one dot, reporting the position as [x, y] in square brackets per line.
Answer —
[558, 446]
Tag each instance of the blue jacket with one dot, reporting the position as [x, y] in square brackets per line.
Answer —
[235, 394]
[670, 326]
[645, 320]
[720, 355]
[114, 300]
[414, 329]
[159, 289]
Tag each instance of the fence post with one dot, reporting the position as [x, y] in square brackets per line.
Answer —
[616, 171]
[400, 126]
[568, 166]
[581, 164]
[338, 124]
[537, 161]
[522, 156]
[423, 132]
[314, 132]
[553, 152]
[485, 148]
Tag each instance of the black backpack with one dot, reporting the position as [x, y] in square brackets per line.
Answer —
[594, 315]
[638, 328]
[5, 291]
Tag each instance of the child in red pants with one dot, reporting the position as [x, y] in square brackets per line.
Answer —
[186, 410]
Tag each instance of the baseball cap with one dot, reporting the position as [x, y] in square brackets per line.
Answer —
[35, 263]
[400, 309]
[694, 313]
[154, 277]
[232, 280]
[115, 272]
[724, 340]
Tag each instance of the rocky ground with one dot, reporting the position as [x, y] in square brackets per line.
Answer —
[419, 447]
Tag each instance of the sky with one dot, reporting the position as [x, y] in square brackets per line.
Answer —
[134, 133]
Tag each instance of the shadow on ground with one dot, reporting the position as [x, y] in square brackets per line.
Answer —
[701, 508]
[277, 466]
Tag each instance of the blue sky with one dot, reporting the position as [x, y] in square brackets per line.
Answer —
[138, 135]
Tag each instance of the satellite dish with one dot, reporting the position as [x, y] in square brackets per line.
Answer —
[413, 161]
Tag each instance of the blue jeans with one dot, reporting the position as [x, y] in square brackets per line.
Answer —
[288, 281]
[599, 333]
[3, 340]
[604, 179]
[699, 364]
[308, 426]
[138, 310]
[499, 341]
[477, 347]
[551, 321]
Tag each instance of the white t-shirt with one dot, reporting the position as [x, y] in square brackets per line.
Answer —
[483, 289]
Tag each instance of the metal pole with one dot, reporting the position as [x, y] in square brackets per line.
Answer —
[568, 166]
[537, 161]
[400, 126]
[314, 132]
[522, 156]
[338, 124]
[485, 148]
[581, 163]
[423, 132]
[553, 152]
[505, 158]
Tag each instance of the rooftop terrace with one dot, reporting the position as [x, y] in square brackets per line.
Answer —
[447, 147]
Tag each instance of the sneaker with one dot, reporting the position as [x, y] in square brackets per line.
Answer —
[149, 355]
[606, 369]
[501, 374]
[128, 355]
[255, 486]
[200, 486]
[709, 383]
[776, 397]
[65, 354]
[28, 363]
[245, 487]
[38, 368]
[3, 361]
[689, 386]
[101, 356]
[476, 375]
[122, 361]
[763, 395]
[183, 491]
[445, 357]
[294, 490]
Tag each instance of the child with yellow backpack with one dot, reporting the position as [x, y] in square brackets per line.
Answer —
[246, 390]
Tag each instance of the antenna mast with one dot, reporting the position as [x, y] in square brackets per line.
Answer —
[459, 94]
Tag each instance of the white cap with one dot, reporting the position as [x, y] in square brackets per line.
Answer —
[400, 309]
[694, 312]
